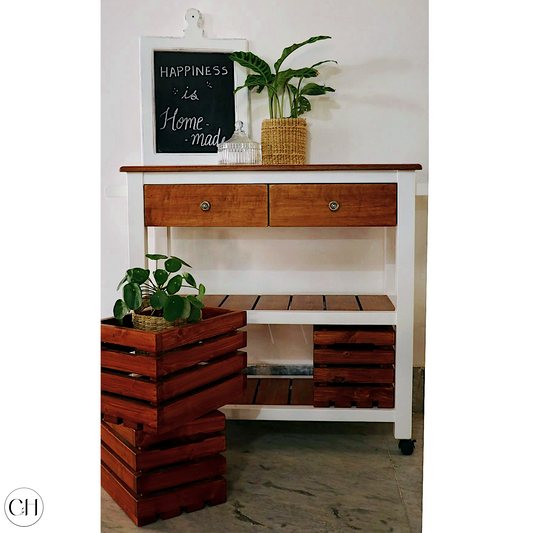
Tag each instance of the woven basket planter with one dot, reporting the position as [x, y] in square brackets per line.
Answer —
[155, 323]
[283, 141]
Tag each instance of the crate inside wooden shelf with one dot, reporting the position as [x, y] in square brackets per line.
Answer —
[158, 381]
[354, 366]
[180, 469]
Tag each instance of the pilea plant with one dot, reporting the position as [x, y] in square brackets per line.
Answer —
[161, 289]
[278, 82]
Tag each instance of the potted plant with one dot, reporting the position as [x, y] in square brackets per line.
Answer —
[283, 135]
[153, 296]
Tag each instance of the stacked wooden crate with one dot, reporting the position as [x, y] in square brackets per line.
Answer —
[161, 438]
[354, 366]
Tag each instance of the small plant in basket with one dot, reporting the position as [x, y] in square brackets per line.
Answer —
[154, 295]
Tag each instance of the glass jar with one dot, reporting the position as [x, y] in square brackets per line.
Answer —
[240, 149]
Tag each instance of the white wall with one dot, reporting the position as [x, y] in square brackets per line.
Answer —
[377, 115]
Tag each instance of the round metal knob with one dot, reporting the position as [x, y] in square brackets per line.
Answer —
[334, 206]
[205, 206]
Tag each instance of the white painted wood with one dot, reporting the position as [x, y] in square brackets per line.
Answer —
[307, 413]
[265, 176]
[137, 235]
[405, 277]
[377, 318]
[116, 191]
[422, 189]
[193, 40]
[389, 263]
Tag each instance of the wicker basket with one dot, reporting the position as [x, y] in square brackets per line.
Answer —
[283, 141]
[153, 323]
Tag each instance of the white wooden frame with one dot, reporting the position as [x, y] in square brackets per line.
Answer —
[192, 41]
[398, 284]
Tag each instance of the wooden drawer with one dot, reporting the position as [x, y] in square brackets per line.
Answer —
[229, 205]
[309, 205]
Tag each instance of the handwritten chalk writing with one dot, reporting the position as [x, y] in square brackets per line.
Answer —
[206, 139]
[192, 70]
[192, 96]
[180, 123]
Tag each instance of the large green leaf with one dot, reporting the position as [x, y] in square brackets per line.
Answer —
[158, 299]
[252, 62]
[182, 261]
[132, 295]
[189, 279]
[120, 309]
[196, 314]
[173, 308]
[322, 62]
[290, 49]
[186, 308]
[160, 276]
[173, 264]
[303, 105]
[253, 81]
[174, 285]
[313, 89]
[156, 257]
[195, 302]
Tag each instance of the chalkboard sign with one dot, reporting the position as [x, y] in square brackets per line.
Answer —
[194, 101]
[188, 105]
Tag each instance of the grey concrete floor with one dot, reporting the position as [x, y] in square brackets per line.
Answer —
[306, 477]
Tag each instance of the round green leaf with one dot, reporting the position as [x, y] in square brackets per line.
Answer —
[196, 314]
[201, 292]
[195, 302]
[160, 276]
[120, 310]
[173, 308]
[172, 264]
[132, 295]
[174, 285]
[181, 261]
[158, 299]
[140, 275]
[186, 308]
[189, 279]
[156, 257]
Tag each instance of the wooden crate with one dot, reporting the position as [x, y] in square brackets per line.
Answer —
[165, 503]
[158, 381]
[354, 366]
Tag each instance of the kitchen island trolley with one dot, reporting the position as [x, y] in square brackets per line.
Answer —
[363, 344]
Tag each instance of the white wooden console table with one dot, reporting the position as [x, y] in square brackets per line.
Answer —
[298, 196]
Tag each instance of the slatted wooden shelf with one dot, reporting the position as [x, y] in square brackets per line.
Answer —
[277, 391]
[309, 309]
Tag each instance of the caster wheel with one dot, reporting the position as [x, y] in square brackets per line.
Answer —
[407, 446]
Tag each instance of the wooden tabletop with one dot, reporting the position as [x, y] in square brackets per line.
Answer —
[270, 168]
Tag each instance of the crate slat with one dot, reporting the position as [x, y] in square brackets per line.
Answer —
[353, 375]
[210, 423]
[343, 396]
[354, 355]
[249, 394]
[378, 335]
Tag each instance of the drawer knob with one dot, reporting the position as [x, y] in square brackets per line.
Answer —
[334, 206]
[205, 206]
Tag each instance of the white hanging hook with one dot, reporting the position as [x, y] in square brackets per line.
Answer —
[193, 17]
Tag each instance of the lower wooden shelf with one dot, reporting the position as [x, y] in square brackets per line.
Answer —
[291, 398]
